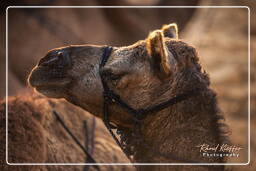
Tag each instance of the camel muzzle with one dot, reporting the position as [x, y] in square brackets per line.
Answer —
[59, 59]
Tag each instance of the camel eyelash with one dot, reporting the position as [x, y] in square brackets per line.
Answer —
[109, 75]
[114, 77]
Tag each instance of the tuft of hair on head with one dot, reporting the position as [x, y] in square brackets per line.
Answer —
[170, 30]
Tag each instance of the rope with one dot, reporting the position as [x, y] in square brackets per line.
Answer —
[89, 141]
[90, 158]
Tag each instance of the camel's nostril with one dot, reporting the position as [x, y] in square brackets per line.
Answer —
[48, 62]
[56, 60]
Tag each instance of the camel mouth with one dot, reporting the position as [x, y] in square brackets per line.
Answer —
[43, 78]
[52, 92]
[50, 83]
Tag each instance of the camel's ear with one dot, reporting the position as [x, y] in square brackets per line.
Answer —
[162, 58]
[170, 30]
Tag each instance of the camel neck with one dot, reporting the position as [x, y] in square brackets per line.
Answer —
[173, 134]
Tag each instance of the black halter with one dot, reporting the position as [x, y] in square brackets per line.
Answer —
[138, 114]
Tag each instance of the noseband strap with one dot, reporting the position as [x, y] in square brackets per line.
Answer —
[110, 97]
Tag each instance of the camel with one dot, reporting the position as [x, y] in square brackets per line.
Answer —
[144, 74]
[36, 136]
[65, 26]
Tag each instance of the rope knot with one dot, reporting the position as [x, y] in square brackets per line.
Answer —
[139, 115]
[110, 96]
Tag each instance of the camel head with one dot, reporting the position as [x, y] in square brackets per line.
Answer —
[139, 73]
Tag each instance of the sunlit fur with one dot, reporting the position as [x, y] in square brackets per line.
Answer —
[176, 130]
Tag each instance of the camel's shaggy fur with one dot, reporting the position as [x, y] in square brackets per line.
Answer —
[34, 136]
[144, 74]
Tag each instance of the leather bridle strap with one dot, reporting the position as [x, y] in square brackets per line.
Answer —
[107, 100]
[137, 114]
[111, 97]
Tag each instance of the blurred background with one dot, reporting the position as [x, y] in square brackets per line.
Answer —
[219, 34]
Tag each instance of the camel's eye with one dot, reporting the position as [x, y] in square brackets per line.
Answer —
[114, 77]
[110, 76]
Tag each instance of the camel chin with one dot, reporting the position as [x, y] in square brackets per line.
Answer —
[48, 83]
[51, 92]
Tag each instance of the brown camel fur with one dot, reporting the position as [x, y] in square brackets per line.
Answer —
[58, 27]
[144, 74]
[35, 136]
